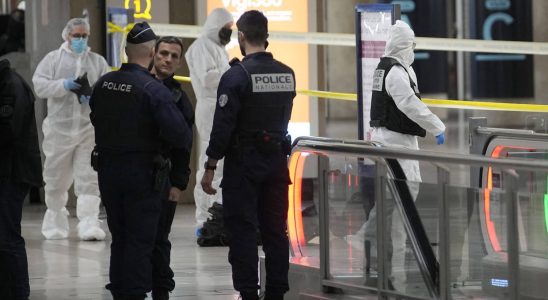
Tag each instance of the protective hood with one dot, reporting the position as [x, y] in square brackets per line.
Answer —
[216, 20]
[400, 43]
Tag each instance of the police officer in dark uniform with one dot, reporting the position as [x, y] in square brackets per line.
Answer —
[255, 99]
[167, 58]
[20, 168]
[134, 116]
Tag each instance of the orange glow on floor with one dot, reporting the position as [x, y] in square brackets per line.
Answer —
[294, 213]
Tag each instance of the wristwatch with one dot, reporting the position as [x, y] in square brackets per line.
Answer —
[209, 167]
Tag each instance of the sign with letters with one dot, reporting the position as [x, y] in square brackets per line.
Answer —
[501, 75]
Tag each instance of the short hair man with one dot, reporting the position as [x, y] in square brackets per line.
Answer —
[134, 117]
[167, 59]
[250, 131]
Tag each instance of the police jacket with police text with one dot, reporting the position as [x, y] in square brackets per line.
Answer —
[134, 112]
[254, 96]
[180, 158]
[384, 111]
[20, 160]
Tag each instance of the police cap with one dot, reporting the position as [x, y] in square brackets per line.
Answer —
[140, 33]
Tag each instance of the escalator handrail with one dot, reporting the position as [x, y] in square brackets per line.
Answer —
[312, 144]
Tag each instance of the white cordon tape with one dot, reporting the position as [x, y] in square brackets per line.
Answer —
[347, 39]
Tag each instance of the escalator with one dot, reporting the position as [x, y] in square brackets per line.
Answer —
[302, 204]
[532, 212]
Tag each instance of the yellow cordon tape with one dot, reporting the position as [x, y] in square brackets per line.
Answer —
[182, 78]
[440, 103]
[458, 104]
[112, 28]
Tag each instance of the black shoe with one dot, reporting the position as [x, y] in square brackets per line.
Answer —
[160, 294]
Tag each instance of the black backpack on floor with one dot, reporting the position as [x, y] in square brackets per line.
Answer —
[213, 232]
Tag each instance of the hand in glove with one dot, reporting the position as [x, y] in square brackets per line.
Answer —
[69, 84]
[440, 139]
[84, 99]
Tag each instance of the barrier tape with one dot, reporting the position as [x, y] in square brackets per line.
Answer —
[439, 103]
[348, 39]
[113, 28]
[457, 104]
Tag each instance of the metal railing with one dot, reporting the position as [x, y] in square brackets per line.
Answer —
[373, 151]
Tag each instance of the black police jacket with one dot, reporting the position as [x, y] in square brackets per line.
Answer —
[384, 112]
[20, 159]
[134, 112]
[255, 96]
[180, 158]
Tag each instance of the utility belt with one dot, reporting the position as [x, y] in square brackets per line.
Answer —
[161, 167]
[267, 142]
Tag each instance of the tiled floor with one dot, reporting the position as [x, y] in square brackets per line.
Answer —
[71, 269]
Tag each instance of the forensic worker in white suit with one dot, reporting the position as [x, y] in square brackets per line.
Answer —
[207, 60]
[68, 134]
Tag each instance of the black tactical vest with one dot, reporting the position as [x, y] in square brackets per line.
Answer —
[269, 101]
[384, 112]
[122, 120]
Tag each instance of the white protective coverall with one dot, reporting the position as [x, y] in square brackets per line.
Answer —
[400, 46]
[207, 60]
[69, 139]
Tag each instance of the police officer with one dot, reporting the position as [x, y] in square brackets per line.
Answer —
[255, 98]
[167, 58]
[20, 168]
[134, 114]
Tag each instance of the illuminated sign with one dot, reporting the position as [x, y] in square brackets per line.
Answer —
[140, 11]
[282, 15]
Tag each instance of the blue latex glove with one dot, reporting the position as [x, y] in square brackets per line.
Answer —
[70, 85]
[84, 99]
[440, 139]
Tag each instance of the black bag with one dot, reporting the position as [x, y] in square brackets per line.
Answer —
[213, 232]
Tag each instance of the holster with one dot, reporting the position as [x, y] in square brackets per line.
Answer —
[95, 159]
[162, 167]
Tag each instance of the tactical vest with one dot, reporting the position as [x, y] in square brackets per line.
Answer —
[269, 101]
[384, 112]
[122, 119]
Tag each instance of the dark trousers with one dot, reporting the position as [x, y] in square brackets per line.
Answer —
[162, 275]
[133, 209]
[249, 204]
[14, 274]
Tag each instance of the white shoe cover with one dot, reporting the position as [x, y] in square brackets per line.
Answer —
[55, 225]
[89, 229]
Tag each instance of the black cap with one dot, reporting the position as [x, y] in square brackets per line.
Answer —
[140, 33]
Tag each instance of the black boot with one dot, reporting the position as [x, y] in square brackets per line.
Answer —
[160, 294]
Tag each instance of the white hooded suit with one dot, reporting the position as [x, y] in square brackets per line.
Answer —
[207, 60]
[68, 141]
[400, 46]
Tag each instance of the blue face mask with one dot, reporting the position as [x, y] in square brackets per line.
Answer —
[78, 45]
